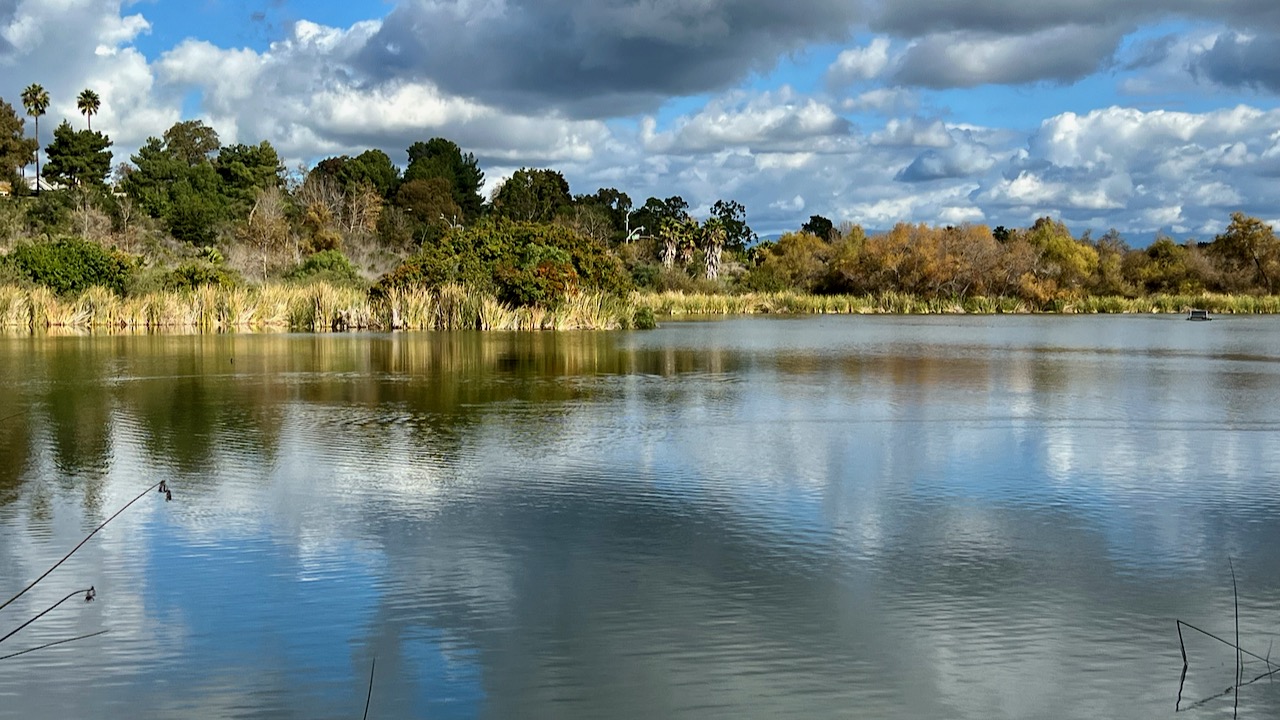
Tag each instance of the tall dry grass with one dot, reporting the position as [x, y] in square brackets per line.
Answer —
[310, 308]
[325, 308]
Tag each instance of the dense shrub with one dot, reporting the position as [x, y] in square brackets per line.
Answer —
[198, 273]
[70, 265]
[329, 266]
[49, 213]
[520, 263]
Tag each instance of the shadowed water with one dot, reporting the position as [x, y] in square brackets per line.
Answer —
[824, 517]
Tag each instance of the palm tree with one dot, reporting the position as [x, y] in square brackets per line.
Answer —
[36, 101]
[88, 104]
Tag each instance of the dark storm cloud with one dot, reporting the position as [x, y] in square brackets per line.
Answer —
[595, 57]
[913, 18]
[1237, 61]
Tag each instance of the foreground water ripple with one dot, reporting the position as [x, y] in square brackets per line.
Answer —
[820, 517]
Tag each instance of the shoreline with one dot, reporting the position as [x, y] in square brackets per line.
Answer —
[327, 308]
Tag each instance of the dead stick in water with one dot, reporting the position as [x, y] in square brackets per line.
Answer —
[1221, 640]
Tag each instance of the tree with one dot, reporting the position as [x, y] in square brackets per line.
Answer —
[88, 104]
[733, 217]
[246, 169]
[1249, 249]
[36, 102]
[266, 228]
[78, 158]
[196, 206]
[150, 183]
[372, 167]
[442, 158]
[430, 202]
[16, 151]
[1063, 261]
[532, 196]
[615, 204]
[655, 212]
[714, 236]
[191, 141]
[819, 227]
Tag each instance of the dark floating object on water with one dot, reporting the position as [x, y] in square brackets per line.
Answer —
[164, 487]
[1201, 315]
[90, 594]
[167, 495]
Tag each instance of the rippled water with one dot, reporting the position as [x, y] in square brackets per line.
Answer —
[827, 518]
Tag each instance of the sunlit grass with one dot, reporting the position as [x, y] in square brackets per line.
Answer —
[324, 308]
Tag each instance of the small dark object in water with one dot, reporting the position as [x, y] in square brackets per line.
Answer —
[167, 495]
[90, 594]
[1202, 315]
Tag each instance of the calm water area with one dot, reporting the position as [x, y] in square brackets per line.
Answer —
[828, 517]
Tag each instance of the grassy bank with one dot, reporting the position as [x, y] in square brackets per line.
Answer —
[680, 304]
[323, 308]
[311, 308]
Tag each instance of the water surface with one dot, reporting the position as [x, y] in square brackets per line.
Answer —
[824, 517]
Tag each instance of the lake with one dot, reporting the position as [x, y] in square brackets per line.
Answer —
[827, 517]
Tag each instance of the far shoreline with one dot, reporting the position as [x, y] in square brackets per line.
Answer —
[320, 307]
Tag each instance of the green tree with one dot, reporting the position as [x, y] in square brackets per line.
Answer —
[442, 158]
[371, 166]
[150, 183]
[88, 104]
[36, 102]
[246, 169]
[191, 141]
[1249, 250]
[196, 206]
[616, 204]
[532, 196]
[16, 150]
[733, 218]
[78, 158]
[714, 236]
[429, 202]
[819, 226]
[654, 212]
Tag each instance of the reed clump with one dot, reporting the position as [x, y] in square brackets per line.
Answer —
[676, 304]
[321, 307]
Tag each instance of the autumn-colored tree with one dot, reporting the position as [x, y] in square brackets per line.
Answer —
[1248, 253]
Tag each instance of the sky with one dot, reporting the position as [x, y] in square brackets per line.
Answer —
[1140, 115]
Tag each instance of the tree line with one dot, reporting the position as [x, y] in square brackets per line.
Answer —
[188, 210]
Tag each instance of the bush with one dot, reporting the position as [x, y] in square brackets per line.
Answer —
[49, 213]
[71, 265]
[329, 266]
[199, 273]
[521, 263]
[544, 276]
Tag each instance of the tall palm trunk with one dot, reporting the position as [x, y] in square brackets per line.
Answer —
[37, 119]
